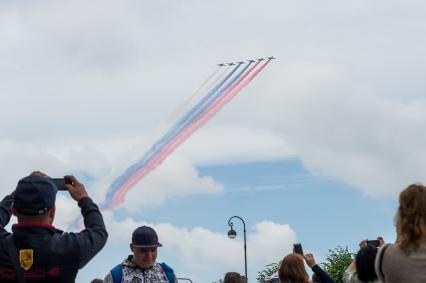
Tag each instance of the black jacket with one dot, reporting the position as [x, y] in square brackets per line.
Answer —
[325, 278]
[56, 255]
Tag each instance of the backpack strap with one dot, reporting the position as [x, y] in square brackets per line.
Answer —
[169, 272]
[117, 273]
[13, 253]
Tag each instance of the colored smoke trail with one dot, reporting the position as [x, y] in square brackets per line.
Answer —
[179, 126]
[227, 95]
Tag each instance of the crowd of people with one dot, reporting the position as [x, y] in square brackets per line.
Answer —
[401, 262]
[35, 251]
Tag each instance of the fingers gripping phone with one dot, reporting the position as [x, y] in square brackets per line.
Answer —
[60, 183]
[297, 248]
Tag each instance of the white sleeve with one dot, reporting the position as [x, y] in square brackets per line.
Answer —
[350, 277]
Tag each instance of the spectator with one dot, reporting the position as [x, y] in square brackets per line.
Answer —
[292, 270]
[142, 265]
[405, 261]
[362, 268]
[37, 251]
[233, 277]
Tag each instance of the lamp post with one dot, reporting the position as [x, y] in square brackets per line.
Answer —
[232, 234]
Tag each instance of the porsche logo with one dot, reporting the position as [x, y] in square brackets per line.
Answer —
[26, 258]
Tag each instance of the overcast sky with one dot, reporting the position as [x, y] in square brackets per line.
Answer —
[87, 86]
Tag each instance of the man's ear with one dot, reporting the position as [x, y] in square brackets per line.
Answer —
[52, 212]
[132, 248]
[12, 207]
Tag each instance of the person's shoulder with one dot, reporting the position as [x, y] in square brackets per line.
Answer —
[390, 250]
[127, 263]
[163, 265]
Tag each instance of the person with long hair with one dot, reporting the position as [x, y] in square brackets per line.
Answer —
[292, 270]
[405, 261]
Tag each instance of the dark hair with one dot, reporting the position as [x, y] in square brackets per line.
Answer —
[411, 218]
[96, 280]
[232, 277]
[292, 270]
[365, 264]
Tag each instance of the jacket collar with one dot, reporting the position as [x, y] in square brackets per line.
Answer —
[33, 224]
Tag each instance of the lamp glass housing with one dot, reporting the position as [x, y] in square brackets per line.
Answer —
[232, 234]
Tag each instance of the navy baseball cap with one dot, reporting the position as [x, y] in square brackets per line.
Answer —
[145, 237]
[34, 195]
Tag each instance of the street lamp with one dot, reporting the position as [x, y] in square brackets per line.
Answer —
[232, 234]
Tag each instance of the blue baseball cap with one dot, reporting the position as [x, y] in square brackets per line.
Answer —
[34, 195]
[145, 237]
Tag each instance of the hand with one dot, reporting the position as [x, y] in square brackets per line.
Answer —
[363, 244]
[352, 266]
[76, 189]
[310, 261]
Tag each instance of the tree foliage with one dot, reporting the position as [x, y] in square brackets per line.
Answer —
[336, 262]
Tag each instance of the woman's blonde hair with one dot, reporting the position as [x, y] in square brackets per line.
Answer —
[411, 218]
[292, 270]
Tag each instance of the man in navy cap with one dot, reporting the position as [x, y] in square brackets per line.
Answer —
[37, 251]
[141, 266]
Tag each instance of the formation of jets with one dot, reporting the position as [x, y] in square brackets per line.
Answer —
[242, 62]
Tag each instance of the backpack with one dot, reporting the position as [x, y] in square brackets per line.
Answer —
[117, 273]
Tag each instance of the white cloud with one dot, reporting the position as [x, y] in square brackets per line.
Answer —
[343, 95]
[340, 127]
[272, 241]
[232, 144]
[20, 161]
[175, 177]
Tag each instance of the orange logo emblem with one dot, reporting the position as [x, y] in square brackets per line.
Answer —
[26, 258]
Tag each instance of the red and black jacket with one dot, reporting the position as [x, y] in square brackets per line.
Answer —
[56, 255]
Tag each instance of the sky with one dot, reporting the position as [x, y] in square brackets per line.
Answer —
[315, 150]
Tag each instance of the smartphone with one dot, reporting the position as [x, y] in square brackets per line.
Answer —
[60, 183]
[373, 243]
[297, 248]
